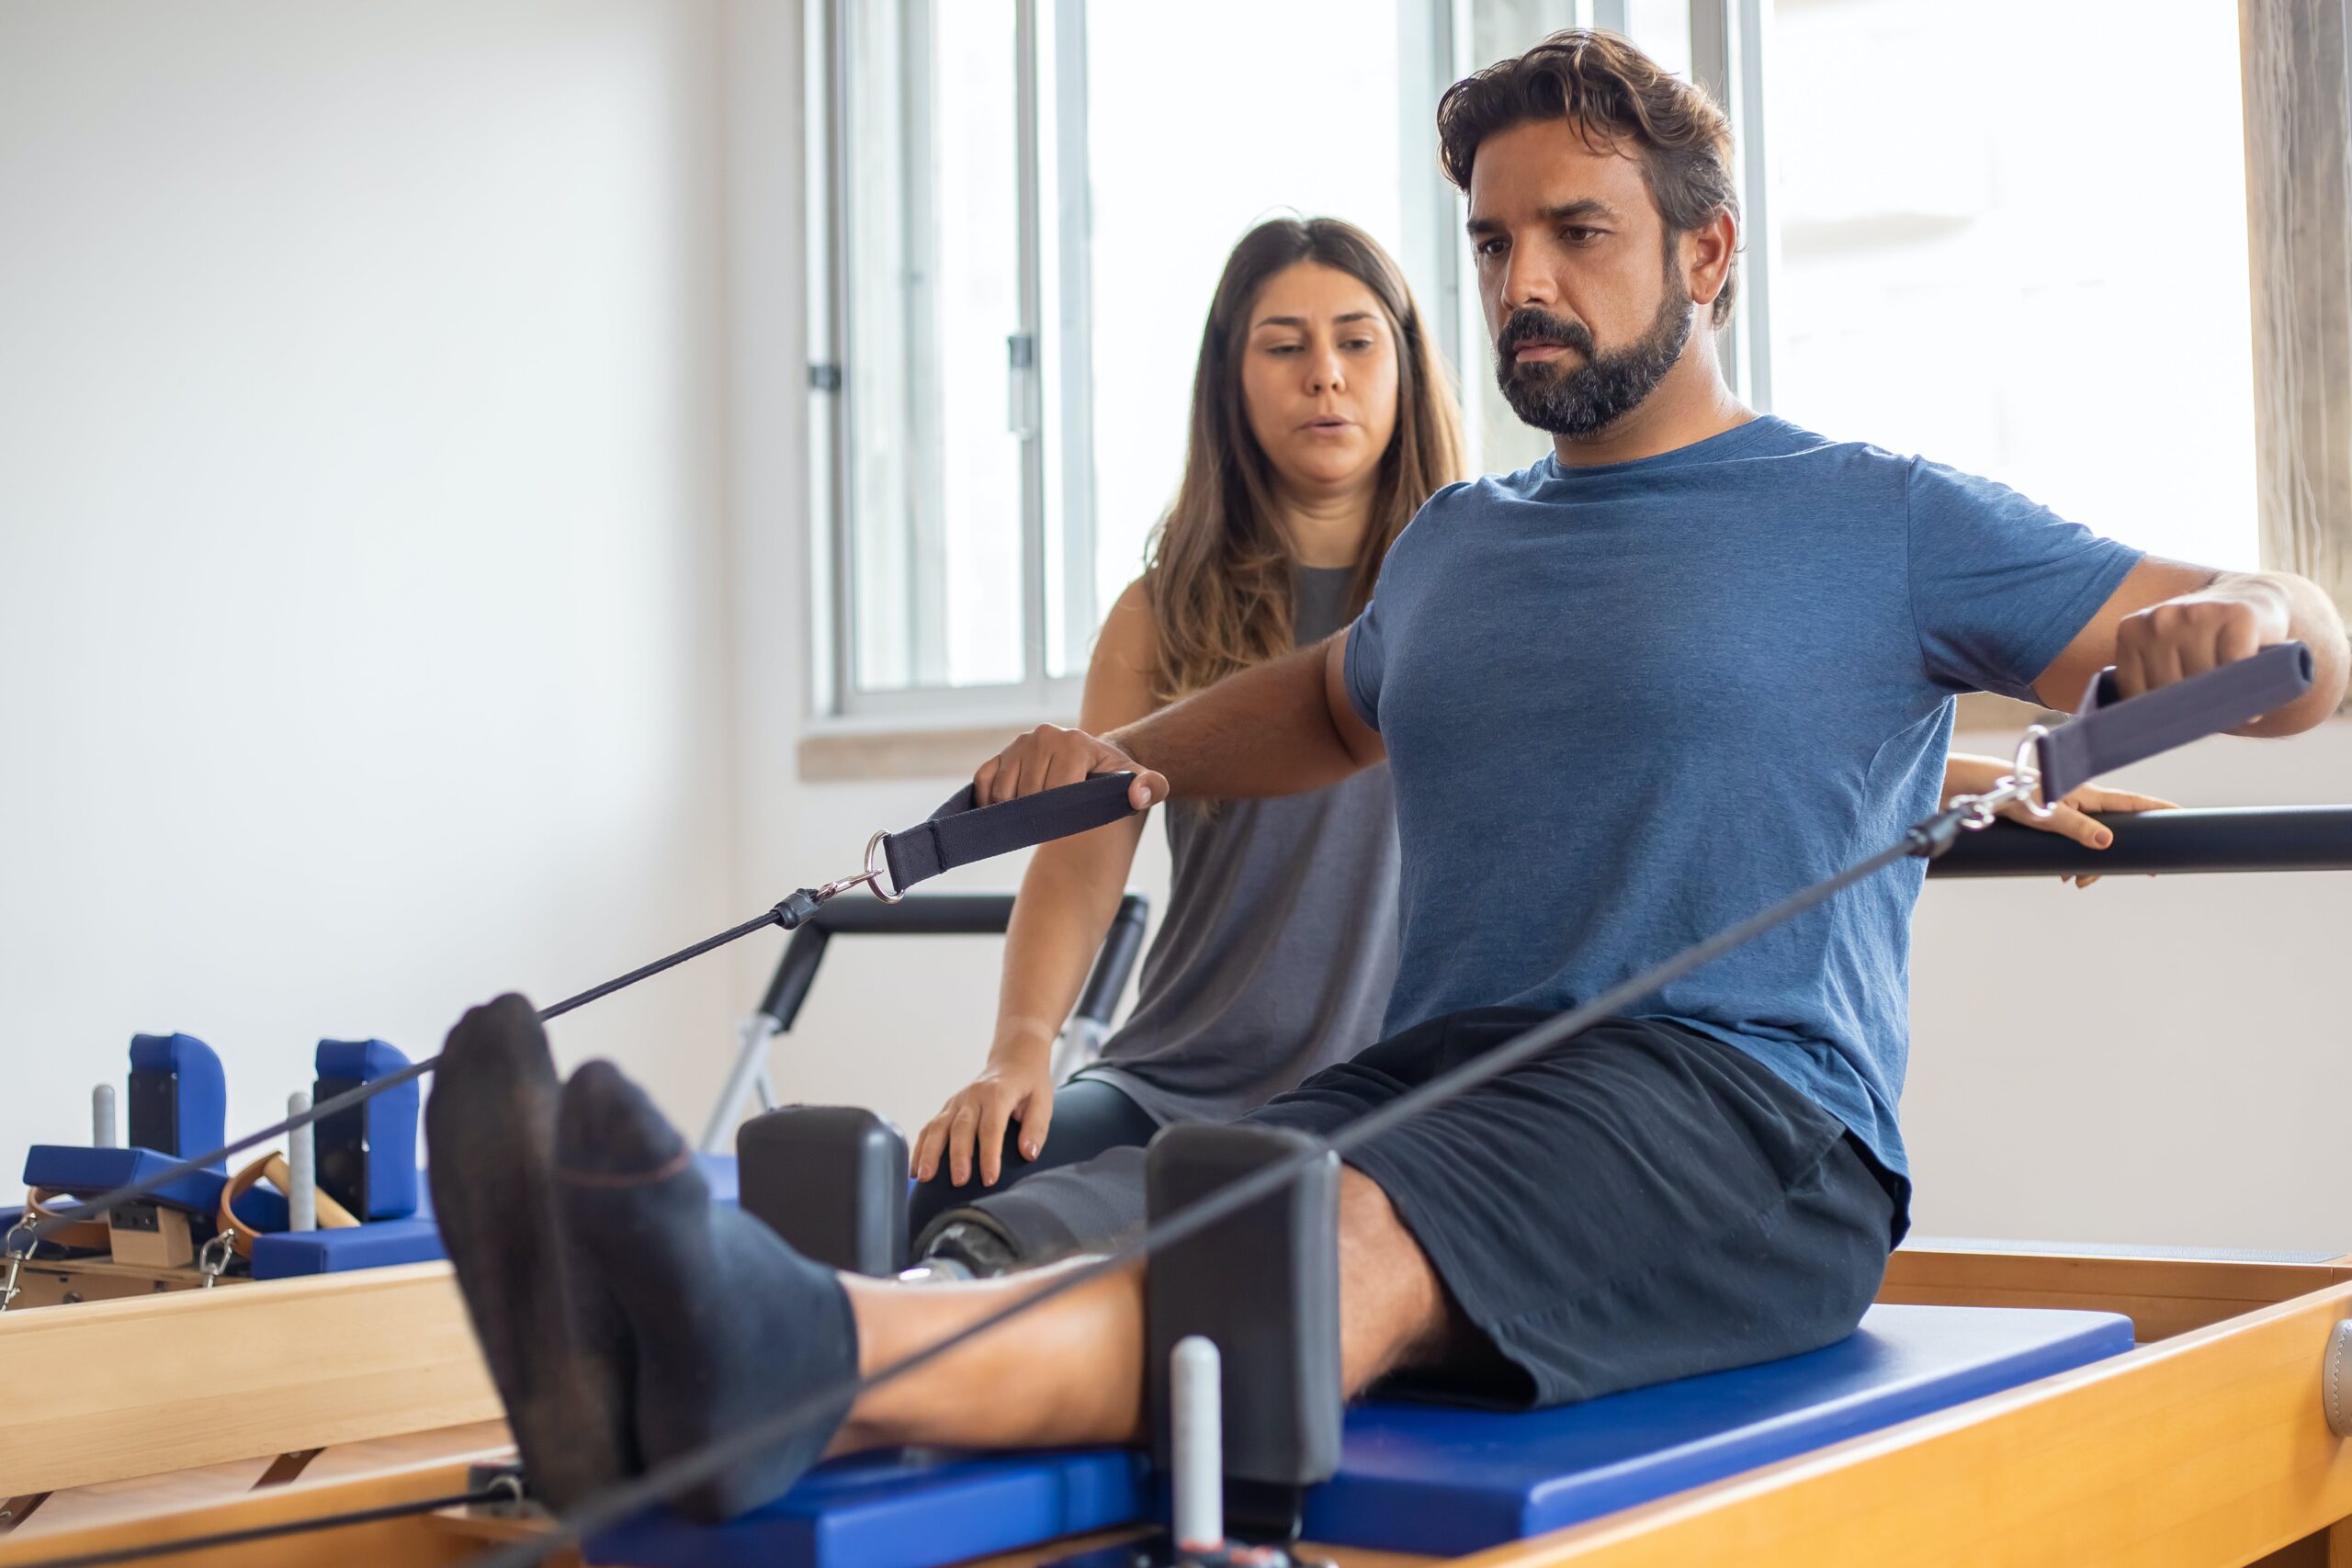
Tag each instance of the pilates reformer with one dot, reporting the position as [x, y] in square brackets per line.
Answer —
[2050, 1423]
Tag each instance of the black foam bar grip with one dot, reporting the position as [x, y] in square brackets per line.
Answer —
[2109, 733]
[925, 914]
[2157, 844]
[930, 914]
[960, 832]
[831, 1179]
[1264, 1286]
[795, 973]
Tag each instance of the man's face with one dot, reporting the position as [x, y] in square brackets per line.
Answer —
[1585, 296]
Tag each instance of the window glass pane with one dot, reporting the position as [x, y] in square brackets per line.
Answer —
[935, 485]
[1304, 117]
[2029, 263]
[1663, 30]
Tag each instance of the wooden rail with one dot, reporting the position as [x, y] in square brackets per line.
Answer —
[2207, 1449]
[102, 1391]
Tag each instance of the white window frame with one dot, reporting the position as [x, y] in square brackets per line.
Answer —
[1052, 397]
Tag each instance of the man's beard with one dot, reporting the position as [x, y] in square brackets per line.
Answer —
[1583, 399]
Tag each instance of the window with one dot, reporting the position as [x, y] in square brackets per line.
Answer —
[1307, 118]
[1030, 202]
[1956, 245]
[2023, 255]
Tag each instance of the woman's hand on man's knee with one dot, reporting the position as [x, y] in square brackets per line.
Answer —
[970, 1128]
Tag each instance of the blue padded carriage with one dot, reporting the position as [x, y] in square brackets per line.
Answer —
[1417, 1477]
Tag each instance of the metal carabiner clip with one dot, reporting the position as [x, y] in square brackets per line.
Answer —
[16, 1255]
[870, 878]
[213, 1261]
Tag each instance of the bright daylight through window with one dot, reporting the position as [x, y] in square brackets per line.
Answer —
[2032, 264]
[2024, 259]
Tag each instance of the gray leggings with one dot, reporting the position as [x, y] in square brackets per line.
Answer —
[1090, 1117]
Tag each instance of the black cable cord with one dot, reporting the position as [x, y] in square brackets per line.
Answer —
[273, 1532]
[664, 1482]
[788, 914]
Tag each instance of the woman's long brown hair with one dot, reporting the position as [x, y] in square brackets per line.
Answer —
[1218, 580]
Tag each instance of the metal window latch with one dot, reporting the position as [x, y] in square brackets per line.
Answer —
[825, 377]
[1021, 412]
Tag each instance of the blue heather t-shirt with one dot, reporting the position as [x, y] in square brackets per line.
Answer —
[1627, 707]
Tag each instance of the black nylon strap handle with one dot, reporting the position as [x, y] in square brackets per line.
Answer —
[960, 832]
[2108, 732]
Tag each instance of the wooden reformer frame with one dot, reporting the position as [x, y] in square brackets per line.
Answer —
[2205, 1447]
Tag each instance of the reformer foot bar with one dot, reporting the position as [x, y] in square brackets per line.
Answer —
[938, 914]
[1669, 1438]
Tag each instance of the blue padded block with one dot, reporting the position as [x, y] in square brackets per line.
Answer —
[414, 1238]
[910, 1510]
[201, 1102]
[86, 1172]
[391, 1122]
[372, 1245]
[1427, 1478]
[720, 1171]
[1419, 1477]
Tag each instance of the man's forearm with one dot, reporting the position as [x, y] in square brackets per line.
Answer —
[1266, 730]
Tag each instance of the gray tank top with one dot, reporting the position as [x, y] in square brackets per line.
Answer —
[1276, 954]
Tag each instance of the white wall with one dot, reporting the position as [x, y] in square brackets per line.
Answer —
[363, 639]
[2164, 1060]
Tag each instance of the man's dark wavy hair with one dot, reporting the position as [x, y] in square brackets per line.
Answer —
[1617, 97]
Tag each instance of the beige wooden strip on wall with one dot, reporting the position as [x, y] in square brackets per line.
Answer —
[2204, 1451]
[946, 754]
[2162, 1296]
[106, 1390]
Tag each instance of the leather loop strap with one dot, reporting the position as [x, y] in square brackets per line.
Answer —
[270, 1167]
[82, 1235]
[960, 832]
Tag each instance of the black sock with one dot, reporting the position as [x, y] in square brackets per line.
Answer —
[731, 1325]
[555, 1341]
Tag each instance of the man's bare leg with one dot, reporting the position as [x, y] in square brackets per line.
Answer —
[730, 1325]
[1071, 1371]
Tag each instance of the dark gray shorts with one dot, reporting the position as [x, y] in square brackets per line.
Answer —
[1639, 1203]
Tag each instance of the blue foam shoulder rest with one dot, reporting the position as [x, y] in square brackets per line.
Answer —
[367, 1155]
[1417, 1477]
[85, 1173]
[179, 1097]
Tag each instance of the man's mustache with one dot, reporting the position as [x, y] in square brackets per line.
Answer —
[1528, 323]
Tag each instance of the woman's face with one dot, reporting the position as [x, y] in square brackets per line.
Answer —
[1318, 377]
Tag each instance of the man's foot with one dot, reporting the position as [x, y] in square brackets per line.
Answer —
[729, 1324]
[556, 1344]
